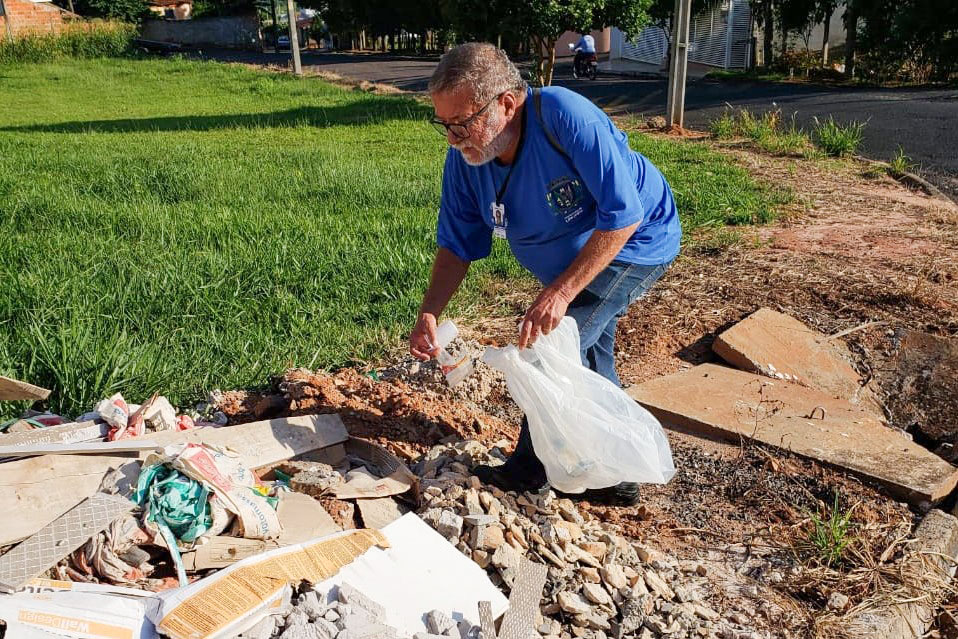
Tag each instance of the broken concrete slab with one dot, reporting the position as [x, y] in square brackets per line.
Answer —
[728, 404]
[378, 513]
[777, 345]
[14, 389]
[920, 380]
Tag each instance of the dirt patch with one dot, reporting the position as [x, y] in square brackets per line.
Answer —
[405, 419]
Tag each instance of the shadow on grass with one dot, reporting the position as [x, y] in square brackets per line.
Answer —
[367, 112]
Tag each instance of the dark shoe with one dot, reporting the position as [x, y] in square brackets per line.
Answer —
[508, 478]
[624, 494]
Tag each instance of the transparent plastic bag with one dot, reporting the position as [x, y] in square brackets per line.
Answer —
[587, 432]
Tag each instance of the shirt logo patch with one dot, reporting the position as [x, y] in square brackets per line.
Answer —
[565, 197]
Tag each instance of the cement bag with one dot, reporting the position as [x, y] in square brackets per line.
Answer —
[587, 432]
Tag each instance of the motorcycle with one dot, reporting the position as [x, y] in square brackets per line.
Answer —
[586, 65]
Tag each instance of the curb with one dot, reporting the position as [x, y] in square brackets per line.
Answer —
[932, 559]
[911, 179]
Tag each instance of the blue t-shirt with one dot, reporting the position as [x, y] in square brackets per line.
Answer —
[586, 44]
[552, 204]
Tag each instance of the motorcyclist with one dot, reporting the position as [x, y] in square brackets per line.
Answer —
[584, 51]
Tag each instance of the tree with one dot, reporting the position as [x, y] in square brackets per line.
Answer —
[824, 9]
[543, 21]
[124, 10]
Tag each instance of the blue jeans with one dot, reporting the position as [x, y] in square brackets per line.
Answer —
[599, 306]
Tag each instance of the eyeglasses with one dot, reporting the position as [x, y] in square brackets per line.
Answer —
[460, 130]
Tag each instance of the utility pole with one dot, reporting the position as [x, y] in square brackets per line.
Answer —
[294, 38]
[678, 65]
[6, 20]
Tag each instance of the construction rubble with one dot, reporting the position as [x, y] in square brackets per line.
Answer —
[322, 514]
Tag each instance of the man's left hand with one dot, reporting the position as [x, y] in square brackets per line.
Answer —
[543, 316]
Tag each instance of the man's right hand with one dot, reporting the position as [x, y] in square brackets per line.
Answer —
[423, 343]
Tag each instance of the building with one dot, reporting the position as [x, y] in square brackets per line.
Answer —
[172, 9]
[32, 16]
[721, 37]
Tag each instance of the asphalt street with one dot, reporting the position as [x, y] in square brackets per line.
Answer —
[924, 122]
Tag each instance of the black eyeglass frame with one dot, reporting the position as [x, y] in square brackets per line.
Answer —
[443, 127]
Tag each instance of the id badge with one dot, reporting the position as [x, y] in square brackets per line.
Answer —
[499, 232]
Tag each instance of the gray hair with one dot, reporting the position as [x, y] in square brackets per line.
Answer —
[480, 67]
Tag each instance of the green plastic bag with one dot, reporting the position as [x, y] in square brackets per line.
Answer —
[178, 505]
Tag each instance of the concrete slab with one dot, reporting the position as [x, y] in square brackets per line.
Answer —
[724, 403]
[777, 345]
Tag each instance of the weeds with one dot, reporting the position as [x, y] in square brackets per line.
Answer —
[724, 126]
[78, 41]
[830, 535]
[838, 140]
[766, 131]
[901, 163]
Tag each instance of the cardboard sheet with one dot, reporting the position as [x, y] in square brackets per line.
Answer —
[399, 479]
[224, 603]
[14, 389]
[419, 572]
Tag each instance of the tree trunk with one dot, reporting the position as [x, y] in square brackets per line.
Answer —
[784, 43]
[851, 39]
[550, 61]
[769, 34]
[827, 26]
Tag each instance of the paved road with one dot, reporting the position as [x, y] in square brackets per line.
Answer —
[923, 121]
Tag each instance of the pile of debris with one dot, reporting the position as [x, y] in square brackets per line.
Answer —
[599, 583]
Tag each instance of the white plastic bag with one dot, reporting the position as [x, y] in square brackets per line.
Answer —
[587, 432]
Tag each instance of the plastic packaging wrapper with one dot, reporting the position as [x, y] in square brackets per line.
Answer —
[109, 554]
[587, 431]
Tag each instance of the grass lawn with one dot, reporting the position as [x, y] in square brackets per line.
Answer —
[179, 226]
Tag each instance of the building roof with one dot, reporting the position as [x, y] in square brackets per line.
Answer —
[169, 3]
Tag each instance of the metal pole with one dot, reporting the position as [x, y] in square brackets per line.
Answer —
[6, 21]
[294, 38]
[678, 65]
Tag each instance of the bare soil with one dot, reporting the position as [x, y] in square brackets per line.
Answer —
[858, 252]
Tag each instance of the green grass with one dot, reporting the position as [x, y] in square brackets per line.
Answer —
[178, 226]
[901, 163]
[838, 140]
[830, 534]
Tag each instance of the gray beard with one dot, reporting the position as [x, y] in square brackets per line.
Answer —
[495, 148]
